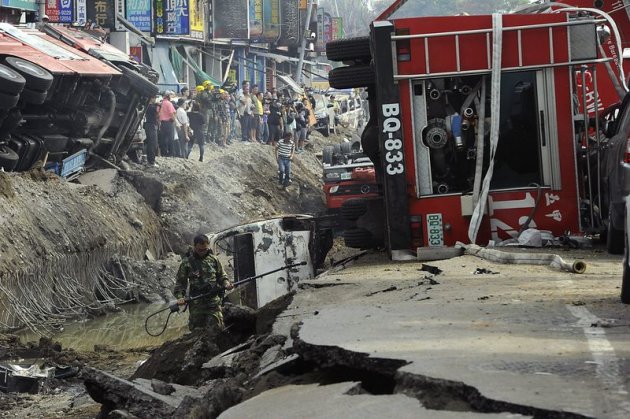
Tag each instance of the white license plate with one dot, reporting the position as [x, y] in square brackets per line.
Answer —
[434, 230]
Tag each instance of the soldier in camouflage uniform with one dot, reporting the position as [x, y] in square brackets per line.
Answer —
[216, 102]
[198, 274]
[204, 100]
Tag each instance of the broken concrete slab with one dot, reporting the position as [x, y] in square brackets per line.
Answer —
[136, 398]
[335, 401]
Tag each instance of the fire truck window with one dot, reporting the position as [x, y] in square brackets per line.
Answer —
[517, 161]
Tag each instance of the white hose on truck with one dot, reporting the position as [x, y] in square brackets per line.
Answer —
[498, 256]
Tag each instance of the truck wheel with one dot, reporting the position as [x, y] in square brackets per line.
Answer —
[352, 209]
[139, 83]
[349, 49]
[8, 101]
[346, 147]
[337, 148]
[327, 154]
[8, 158]
[352, 76]
[358, 238]
[625, 278]
[33, 97]
[615, 238]
[11, 81]
[37, 78]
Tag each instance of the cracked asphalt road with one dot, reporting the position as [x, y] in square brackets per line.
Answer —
[525, 340]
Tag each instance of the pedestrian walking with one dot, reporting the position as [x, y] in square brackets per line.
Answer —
[284, 156]
[198, 274]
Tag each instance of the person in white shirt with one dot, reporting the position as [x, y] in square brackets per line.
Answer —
[181, 122]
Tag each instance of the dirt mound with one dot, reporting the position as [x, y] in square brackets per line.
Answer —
[234, 184]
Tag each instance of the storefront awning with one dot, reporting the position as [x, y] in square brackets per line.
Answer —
[291, 84]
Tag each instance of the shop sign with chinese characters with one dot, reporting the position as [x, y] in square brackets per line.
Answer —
[138, 12]
[102, 13]
[172, 17]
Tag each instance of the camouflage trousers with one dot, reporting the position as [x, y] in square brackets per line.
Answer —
[206, 318]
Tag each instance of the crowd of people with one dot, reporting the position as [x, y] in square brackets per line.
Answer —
[210, 115]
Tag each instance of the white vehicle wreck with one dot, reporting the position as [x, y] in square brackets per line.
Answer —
[265, 245]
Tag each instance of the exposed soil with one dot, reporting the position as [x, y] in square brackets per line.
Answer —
[129, 231]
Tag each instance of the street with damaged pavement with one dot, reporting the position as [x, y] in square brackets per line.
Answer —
[373, 337]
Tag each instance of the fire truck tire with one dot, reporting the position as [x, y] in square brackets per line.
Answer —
[346, 147]
[8, 101]
[352, 76]
[37, 78]
[8, 158]
[139, 83]
[358, 238]
[11, 82]
[33, 97]
[615, 238]
[327, 154]
[349, 49]
[354, 208]
[625, 278]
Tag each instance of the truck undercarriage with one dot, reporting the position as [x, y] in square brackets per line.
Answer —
[63, 92]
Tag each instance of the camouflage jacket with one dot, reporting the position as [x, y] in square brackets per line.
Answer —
[200, 276]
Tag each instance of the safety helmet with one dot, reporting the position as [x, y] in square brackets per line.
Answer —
[207, 83]
[221, 91]
[200, 88]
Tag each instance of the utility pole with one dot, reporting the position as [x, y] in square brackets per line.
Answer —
[307, 33]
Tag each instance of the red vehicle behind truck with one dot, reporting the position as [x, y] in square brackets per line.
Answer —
[477, 127]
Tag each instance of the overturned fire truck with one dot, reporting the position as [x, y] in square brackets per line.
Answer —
[483, 126]
[62, 92]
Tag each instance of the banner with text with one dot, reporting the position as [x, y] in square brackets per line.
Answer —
[102, 13]
[171, 17]
[138, 12]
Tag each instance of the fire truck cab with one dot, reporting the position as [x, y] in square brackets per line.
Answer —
[477, 123]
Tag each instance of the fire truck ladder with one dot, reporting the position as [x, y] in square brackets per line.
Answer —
[458, 71]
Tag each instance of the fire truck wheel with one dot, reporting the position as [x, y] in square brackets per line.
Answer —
[8, 158]
[337, 148]
[11, 82]
[356, 49]
[327, 154]
[615, 238]
[358, 238]
[8, 101]
[346, 147]
[353, 76]
[139, 83]
[352, 209]
[37, 78]
[33, 97]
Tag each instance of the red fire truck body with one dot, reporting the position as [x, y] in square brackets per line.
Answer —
[480, 129]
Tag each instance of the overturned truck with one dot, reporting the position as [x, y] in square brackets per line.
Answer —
[64, 92]
[483, 126]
